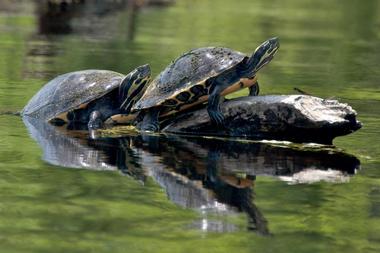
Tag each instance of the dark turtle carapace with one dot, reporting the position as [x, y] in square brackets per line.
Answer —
[204, 74]
[89, 97]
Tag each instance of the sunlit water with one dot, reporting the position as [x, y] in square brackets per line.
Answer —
[60, 192]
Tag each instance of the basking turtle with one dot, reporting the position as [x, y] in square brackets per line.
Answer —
[203, 74]
[89, 97]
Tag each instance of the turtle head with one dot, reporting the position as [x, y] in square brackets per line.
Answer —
[262, 56]
[133, 87]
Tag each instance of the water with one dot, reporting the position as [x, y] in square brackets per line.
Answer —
[61, 192]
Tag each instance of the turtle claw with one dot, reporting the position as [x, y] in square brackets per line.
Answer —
[217, 118]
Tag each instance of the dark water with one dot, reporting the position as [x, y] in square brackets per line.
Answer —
[61, 192]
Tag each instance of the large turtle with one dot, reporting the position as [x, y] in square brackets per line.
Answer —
[204, 74]
[89, 96]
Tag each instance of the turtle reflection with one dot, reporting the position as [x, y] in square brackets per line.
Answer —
[65, 147]
[214, 176]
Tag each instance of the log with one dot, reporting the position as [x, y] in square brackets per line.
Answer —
[297, 118]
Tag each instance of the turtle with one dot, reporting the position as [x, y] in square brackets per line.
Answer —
[89, 97]
[200, 75]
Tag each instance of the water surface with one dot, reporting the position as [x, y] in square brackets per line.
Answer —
[174, 194]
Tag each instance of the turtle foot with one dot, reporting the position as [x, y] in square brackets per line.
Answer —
[149, 127]
[95, 121]
[217, 118]
[150, 121]
[254, 90]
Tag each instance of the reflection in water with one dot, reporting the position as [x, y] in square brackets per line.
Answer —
[55, 16]
[74, 149]
[92, 21]
[40, 53]
[64, 17]
[66, 150]
[215, 176]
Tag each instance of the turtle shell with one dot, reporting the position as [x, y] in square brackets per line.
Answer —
[71, 91]
[186, 72]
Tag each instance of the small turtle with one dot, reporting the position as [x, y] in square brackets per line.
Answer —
[204, 74]
[89, 96]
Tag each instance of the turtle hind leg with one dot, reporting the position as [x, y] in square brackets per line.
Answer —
[254, 89]
[150, 121]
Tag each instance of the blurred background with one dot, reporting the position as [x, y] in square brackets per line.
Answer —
[329, 48]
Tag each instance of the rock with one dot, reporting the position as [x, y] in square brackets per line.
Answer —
[297, 118]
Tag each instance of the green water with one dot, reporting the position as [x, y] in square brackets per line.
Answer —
[328, 48]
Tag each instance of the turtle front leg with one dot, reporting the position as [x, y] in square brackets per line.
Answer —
[213, 107]
[254, 89]
[150, 121]
[95, 121]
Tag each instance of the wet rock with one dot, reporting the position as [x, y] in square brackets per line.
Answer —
[297, 118]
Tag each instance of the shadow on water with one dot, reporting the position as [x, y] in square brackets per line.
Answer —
[215, 176]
